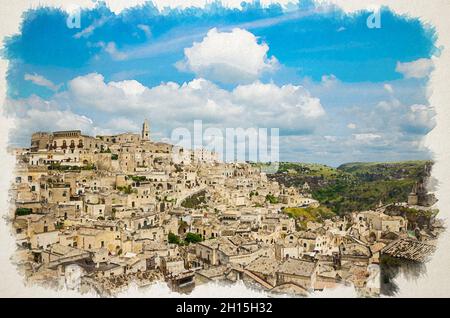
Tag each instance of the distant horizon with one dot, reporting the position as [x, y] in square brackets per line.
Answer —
[251, 162]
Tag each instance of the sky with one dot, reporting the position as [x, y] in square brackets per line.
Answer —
[338, 90]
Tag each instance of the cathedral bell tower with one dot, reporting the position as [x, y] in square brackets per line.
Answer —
[145, 135]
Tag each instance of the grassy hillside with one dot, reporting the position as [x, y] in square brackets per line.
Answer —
[304, 215]
[354, 186]
[386, 171]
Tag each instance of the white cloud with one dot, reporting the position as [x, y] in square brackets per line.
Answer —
[288, 107]
[388, 106]
[331, 138]
[111, 107]
[115, 54]
[86, 32]
[129, 87]
[420, 119]
[351, 126]
[329, 81]
[124, 123]
[36, 114]
[288, 101]
[389, 88]
[230, 57]
[146, 29]
[366, 138]
[416, 69]
[41, 81]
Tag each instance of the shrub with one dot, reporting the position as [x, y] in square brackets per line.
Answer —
[173, 239]
[193, 238]
[272, 199]
[23, 211]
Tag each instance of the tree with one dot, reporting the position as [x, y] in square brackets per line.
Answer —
[193, 238]
[173, 239]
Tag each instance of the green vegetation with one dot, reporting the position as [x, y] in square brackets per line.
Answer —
[195, 201]
[354, 186]
[114, 156]
[344, 196]
[105, 151]
[23, 211]
[88, 167]
[193, 238]
[304, 215]
[253, 193]
[272, 199]
[137, 178]
[174, 239]
[59, 167]
[190, 238]
[127, 189]
[415, 217]
[388, 170]
[310, 169]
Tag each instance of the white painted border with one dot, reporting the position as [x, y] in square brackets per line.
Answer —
[437, 281]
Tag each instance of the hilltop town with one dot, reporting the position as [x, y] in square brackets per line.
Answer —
[99, 213]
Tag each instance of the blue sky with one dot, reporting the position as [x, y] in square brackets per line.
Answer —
[338, 90]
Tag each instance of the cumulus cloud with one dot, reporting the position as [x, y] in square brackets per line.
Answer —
[416, 69]
[419, 119]
[389, 88]
[124, 123]
[36, 114]
[96, 106]
[366, 138]
[228, 57]
[290, 108]
[41, 81]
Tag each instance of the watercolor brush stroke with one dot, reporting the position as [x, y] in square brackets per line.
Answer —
[280, 148]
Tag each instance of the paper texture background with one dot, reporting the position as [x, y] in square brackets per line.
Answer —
[436, 282]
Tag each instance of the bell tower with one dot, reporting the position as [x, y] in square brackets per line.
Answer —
[145, 135]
